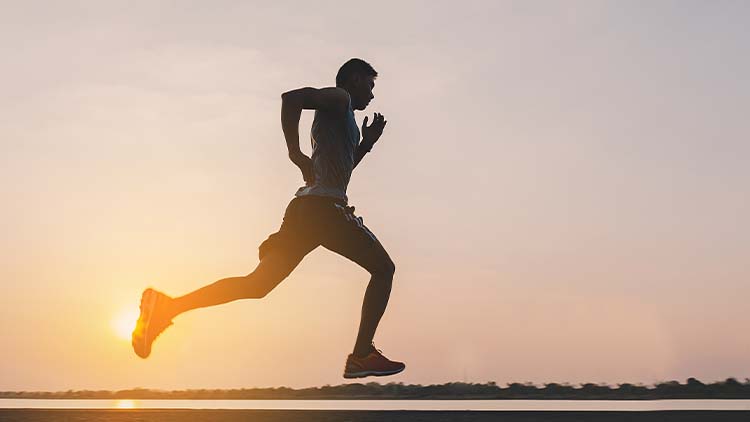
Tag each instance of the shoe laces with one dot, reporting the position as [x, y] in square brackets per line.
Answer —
[376, 349]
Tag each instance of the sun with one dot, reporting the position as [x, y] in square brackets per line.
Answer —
[123, 323]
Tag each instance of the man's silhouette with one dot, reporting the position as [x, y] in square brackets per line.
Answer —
[318, 215]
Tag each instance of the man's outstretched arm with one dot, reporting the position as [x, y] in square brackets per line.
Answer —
[370, 135]
[292, 104]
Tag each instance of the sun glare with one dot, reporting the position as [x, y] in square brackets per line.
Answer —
[125, 404]
[124, 323]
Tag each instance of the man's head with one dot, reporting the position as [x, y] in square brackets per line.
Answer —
[357, 77]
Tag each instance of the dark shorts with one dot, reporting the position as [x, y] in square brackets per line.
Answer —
[312, 221]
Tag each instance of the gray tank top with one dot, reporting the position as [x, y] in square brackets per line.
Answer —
[334, 138]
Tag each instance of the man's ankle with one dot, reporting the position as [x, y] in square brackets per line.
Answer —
[361, 352]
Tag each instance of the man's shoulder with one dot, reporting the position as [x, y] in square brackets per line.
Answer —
[338, 97]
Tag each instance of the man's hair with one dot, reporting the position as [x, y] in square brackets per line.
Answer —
[354, 66]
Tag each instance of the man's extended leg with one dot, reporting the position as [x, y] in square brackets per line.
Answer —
[271, 271]
[279, 255]
[158, 309]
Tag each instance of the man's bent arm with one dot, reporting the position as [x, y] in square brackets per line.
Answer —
[292, 104]
[291, 110]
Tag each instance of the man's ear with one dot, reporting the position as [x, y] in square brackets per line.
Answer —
[356, 79]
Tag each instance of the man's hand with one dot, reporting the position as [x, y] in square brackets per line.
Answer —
[371, 134]
[305, 165]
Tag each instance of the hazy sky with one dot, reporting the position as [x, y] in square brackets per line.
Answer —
[564, 187]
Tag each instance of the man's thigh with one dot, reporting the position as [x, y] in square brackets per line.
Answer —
[348, 236]
[292, 241]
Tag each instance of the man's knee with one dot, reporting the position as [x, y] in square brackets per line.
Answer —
[258, 285]
[384, 268]
[270, 272]
[390, 267]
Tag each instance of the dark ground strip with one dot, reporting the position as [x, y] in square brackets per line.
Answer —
[187, 415]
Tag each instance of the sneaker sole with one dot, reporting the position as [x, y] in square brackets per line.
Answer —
[147, 313]
[373, 373]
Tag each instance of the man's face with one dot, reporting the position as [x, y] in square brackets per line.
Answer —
[361, 91]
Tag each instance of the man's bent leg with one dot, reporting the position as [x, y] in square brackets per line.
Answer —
[381, 268]
[376, 261]
[272, 269]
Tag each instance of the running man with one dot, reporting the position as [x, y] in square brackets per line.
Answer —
[318, 215]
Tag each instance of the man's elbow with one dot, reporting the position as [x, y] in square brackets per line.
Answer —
[289, 98]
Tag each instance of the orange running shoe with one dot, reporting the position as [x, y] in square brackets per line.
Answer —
[373, 364]
[152, 321]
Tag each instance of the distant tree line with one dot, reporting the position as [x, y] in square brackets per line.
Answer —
[691, 389]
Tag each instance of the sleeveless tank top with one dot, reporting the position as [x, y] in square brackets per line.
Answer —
[334, 137]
